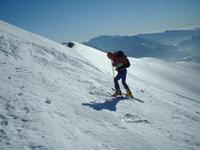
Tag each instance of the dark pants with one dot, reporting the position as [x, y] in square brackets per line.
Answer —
[121, 75]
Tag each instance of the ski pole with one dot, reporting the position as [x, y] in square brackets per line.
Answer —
[113, 72]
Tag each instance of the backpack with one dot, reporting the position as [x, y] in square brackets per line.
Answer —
[120, 53]
[124, 57]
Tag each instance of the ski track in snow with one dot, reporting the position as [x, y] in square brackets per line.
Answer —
[55, 98]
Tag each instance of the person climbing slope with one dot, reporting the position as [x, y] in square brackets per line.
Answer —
[120, 62]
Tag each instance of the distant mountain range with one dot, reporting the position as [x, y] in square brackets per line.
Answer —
[192, 44]
[168, 45]
[171, 37]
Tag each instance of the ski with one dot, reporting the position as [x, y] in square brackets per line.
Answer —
[123, 95]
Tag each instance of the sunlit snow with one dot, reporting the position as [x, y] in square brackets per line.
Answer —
[54, 98]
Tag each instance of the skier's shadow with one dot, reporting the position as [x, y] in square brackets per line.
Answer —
[109, 105]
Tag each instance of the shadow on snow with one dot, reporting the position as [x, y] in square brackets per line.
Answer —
[109, 105]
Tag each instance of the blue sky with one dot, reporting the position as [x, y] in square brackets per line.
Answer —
[81, 20]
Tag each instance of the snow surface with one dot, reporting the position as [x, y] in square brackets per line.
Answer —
[53, 98]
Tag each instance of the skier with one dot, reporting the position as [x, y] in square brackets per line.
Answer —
[120, 62]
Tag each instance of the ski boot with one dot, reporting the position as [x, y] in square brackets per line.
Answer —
[129, 93]
[117, 93]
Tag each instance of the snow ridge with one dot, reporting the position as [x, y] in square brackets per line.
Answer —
[53, 98]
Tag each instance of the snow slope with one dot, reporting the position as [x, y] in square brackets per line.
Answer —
[53, 98]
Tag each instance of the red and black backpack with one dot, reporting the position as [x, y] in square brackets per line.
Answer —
[121, 58]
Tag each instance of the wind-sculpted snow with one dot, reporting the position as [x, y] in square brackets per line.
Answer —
[57, 98]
